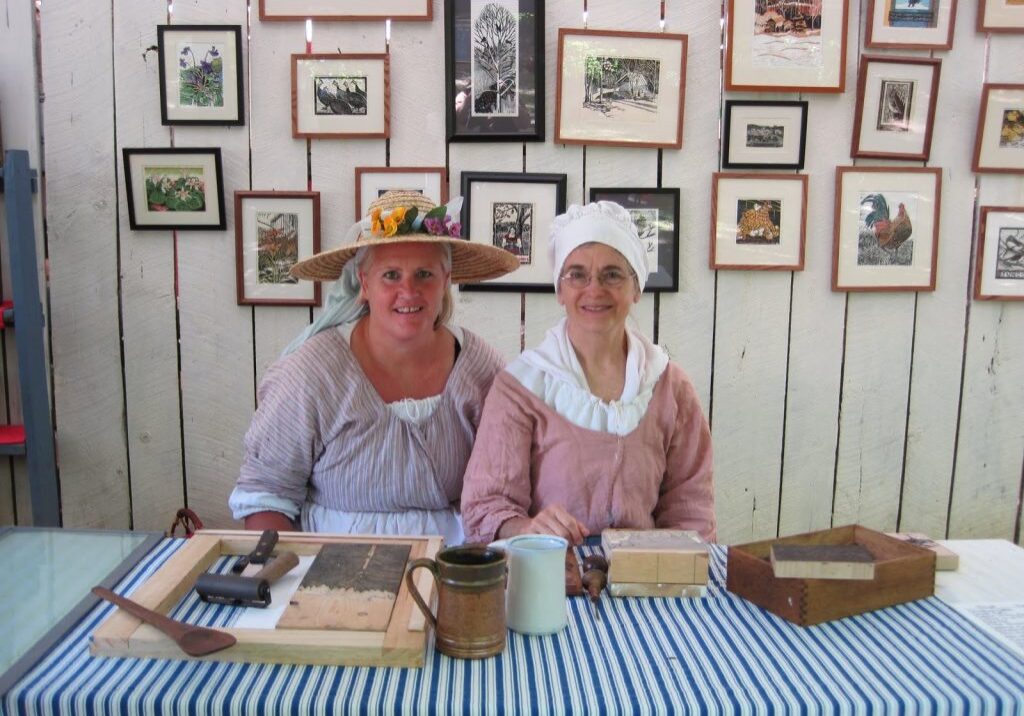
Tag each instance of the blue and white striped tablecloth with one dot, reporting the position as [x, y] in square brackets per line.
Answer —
[719, 654]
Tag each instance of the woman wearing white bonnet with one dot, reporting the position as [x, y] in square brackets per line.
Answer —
[595, 427]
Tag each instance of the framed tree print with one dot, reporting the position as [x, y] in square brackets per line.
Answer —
[345, 10]
[622, 89]
[494, 70]
[886, 228]
[513, 211]
[764, 135]
[999, 268]
[174, 188]
[340, 96]
[655, 213]
[273, 231]
[200, 74]
[895, 107]
[373, 182]
[999, 141]
[786, 47]
[1000, 16]
[912, 24]
[758, 221]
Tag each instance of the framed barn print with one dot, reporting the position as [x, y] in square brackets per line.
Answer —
[372, 182]
[895, 107]
[340, 96]
[786, 47]
[912, 24]
[174, 188]
[622, 89]
[886, 228]
[758, 221]
[764, 135]
[1000, 16]
[274, 230]
[345, 10]
[999, 141]
[655, 214]
[494, 70]
[513, 211]
[200, 74]
[999, 268]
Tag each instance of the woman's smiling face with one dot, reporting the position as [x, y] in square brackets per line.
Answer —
[597, 307]
[403, 285]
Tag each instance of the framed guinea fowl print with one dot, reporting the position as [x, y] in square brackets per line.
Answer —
[886, 229]
[340, 96]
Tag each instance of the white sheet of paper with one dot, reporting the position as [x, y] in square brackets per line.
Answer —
[281, 593]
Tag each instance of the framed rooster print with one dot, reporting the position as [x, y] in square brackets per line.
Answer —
[758, 221]
[895, 107]
[886, 228]
[999, 269]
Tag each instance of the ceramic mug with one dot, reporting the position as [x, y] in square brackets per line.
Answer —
[470, 621]
[535, 600]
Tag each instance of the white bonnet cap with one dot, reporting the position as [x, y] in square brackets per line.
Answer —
[602, 222]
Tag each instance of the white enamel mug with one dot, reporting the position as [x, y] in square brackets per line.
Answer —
[535, 598]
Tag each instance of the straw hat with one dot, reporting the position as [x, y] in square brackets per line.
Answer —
[400, 217]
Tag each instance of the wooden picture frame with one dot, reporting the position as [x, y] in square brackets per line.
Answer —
[655, 213]
[402, 644]
[1000, 16]
[895, 107]
[341, 96]
[372, 182]
[494, 70]
[999, 139]
[358, 10]
[514, 211]
[201, 74]
[174, 188]
[999, 268]
[886, 228]
[761, 134]
[770, 53]
[274, 230]
[910, 24]
[593, 107]
[758, 221]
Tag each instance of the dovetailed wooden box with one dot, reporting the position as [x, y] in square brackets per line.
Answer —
[903, 573]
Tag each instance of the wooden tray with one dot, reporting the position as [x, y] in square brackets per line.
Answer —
[401, 644]
[903, 573]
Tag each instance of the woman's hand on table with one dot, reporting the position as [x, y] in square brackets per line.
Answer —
[552, 520]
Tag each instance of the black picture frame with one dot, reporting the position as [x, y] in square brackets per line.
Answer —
[468, 119]
[661, 236]
[148, 210]
[493, 203]
[785, 116]
[223, 56]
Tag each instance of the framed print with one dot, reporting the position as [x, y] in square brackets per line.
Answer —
[346, 10]
[513, 211]
[999, 268]
[372, 182]
[200, 74]
[999, 142]
[273, 231]
[655, 214]
[758, 221]
[913, 24]
[340, 96]
[174, 188]
[622, 89]
[895, 107]
[494, 70]
[786, 47]
[764, 135]
[886, 228]
[1000, 16]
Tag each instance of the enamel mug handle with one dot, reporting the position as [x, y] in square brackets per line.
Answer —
[411, 583]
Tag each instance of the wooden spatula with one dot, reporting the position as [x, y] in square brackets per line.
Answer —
[193, 640]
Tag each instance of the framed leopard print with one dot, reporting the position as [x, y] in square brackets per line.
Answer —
[758, 221]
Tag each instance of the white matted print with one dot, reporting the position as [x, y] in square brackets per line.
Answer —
[999, 269]
[200, 74]
[336, 95]
[999, 144]
[345, 10]
[764, 134]
[895, 107]
[758, 221]
[1001, 16]
[885, 236]
[919, 24]
[374, 182]
[172, 188]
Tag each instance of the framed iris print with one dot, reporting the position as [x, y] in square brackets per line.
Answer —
[513, 211]
[912, 24]
[999, 268]
[764, 135]
[758, 221]
[895, 107]
[1000, 16]
[655, 213]
[999, 142]
[786, 46]
[345, 10]
[200, 74]
[340, 96]
[494, 70]
[373, 182]
[174, 188]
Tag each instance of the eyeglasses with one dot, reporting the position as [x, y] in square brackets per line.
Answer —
[608, 278]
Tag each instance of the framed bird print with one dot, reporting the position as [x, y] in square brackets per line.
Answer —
[895, 107]
[886, 228]
[913, 24]
[655, 213]
[999, 269]
[999, 142]
[758, 221]
[340, 96]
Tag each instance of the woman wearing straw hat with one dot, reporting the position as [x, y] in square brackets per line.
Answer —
[595, 427]
[367, 421]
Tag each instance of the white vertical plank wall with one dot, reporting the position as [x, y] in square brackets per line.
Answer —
[894, 410]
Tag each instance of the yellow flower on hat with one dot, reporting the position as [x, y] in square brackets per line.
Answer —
[390, 226]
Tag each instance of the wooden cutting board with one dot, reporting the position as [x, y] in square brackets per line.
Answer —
[349, 586]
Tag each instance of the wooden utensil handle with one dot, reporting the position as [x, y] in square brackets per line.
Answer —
[277, 567]
[165, 624]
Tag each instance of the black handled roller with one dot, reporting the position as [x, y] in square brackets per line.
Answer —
[239, 591]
